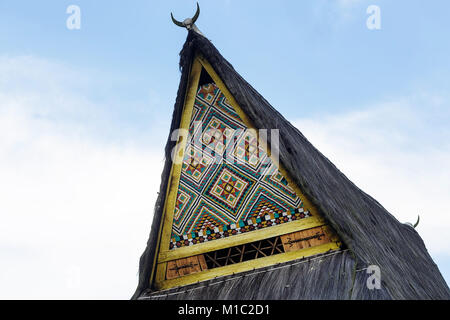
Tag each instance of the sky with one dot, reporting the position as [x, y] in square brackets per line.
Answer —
[85, 113]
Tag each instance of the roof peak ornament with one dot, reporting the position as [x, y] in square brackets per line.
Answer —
[189, 23]
[414, 225]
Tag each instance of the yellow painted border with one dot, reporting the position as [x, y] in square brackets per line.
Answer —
[179, 154]
[246, 266]
[175, 173]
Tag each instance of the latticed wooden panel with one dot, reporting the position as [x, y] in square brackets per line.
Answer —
[245, 252]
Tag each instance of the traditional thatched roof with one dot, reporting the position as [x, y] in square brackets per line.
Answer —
[371, 234]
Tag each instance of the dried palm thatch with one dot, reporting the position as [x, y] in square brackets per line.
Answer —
[371, 234]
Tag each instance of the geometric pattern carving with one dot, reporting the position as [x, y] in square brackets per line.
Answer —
[228, 188]
[228, 184]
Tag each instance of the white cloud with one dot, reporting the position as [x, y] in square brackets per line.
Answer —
[75, 210]
[398, 152]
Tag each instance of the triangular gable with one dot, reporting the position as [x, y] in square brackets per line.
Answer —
[230, 206]
[372, 235]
